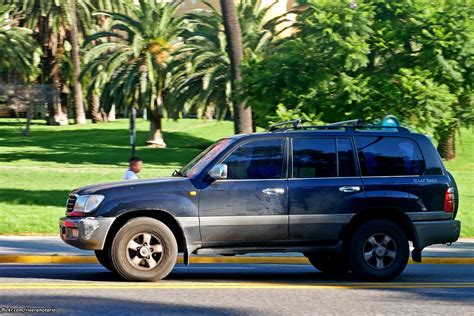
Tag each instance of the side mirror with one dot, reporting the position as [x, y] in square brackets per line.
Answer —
[218, 172]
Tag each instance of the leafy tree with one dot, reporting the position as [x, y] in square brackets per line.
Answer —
[367, 59]
[201, 66]
[130, 61]
[101, 22]
[54, 22]
[19, 51]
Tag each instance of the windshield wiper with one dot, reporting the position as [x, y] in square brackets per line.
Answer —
[177, 173]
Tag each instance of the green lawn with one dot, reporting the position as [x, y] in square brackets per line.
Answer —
[462, 169]
[37, 172]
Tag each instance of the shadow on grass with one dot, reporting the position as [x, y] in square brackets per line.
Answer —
[98, 146]
[36, 197]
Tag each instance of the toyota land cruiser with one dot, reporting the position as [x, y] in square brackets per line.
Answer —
[349, 197]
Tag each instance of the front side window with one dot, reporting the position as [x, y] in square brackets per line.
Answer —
[389, 156]
[261, 159]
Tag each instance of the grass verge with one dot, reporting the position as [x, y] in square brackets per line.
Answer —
[37, 172]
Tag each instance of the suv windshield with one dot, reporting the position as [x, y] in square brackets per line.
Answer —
[201, 160]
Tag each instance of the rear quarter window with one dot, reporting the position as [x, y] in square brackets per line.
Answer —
[389, 156]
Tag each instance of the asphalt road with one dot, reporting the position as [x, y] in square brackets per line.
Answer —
[237, 289]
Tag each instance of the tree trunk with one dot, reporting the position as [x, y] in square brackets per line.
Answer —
[80, 117]
[446, 146]
[209, 112]
[55, 109]
[94, 106]
[50, 67]
[155, 138]
[242, 113]
[111, 115]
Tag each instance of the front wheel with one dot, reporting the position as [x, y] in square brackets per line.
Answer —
[378, 251]
[144, 249]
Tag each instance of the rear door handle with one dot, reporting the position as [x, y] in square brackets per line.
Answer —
[349, 189]
[273, 191]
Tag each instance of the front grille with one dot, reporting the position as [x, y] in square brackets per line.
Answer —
[70, 203]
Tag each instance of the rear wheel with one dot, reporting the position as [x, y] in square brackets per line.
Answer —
[378, 251]
[103, 258]
[331, 263]
[144, 249]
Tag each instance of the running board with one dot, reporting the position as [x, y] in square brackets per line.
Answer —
[226, 251]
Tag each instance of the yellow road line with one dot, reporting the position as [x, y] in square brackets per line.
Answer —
[121, 286]
[46, 259]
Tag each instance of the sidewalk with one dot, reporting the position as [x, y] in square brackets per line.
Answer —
[51, 249]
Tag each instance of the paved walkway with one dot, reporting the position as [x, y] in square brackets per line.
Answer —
[45, 245]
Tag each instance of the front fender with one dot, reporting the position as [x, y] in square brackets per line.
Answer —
[175, 204]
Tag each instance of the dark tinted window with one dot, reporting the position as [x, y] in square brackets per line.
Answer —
[314, 158]
[389, 156]
[346, 158]
[262, 159]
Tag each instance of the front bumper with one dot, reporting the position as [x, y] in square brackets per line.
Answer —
[437, 232]
[87, 233]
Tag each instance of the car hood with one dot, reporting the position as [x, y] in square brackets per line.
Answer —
[101, 187]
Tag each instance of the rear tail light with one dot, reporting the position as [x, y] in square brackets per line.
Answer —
[449, 200]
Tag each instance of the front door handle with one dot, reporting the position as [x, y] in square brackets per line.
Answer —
[273, 191]
[349, 189]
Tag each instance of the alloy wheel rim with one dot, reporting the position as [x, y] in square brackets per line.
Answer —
[379, 251]
[144, 251]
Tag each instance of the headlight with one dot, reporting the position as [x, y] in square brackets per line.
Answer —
[87, 203]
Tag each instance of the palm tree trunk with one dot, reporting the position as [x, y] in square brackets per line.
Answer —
[56, 114]
[50, 67]
[446, 146]
[242, 112]
[155, 138]
[111, 114]
[209, 111]
[80, 117]
[94, 105]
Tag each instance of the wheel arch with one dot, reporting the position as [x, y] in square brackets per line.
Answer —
[160, 215]
[392, 214]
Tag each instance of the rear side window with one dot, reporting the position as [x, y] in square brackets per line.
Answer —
[319, 157]
[262, 159]
[389, 156]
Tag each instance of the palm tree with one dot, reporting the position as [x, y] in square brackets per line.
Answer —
[201, 67]
[242, 112]
[130, 61]
[101, 21]
[19, 51]
[53, 22]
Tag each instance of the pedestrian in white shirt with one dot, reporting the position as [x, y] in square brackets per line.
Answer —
[134, 167]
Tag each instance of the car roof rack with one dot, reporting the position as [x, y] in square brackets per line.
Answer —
[295, 124]
[350, 125]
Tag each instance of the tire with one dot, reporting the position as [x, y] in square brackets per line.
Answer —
[378, 251]
[330, 263]
[144, 249]
[103, 258]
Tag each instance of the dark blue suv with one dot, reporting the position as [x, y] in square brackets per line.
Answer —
[349, 197]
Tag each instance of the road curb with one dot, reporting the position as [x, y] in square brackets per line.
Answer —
[68, 259]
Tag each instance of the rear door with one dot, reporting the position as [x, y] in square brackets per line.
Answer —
[251, 205]
[393, 173]
[323, 189]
